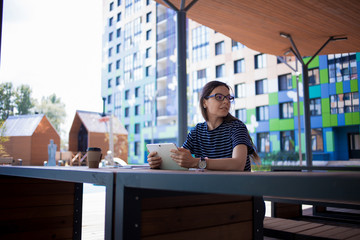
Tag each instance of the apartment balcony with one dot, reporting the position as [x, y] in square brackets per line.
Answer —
[163, 54]
[165, 72]
[165, 34]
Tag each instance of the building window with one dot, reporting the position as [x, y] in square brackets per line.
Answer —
[342, 67]
[263, 142]
[148, 17]
[315, 107]
[110, 52]
[118, 64]
[118, 18]
[260, 61]
[285, 82]
[137, 148]
[110, 36]
[199, 79]
[241, 114]
[147, 71]
[219, 48]
[118, 2]
[109, 83]
[118, 32]
[317, 142]
[261, 86]
[200, 43]
[147, 53]
[109, 67]
[287, 142]
[262, 113]
[137, 92]
[236, 45]
[111, 21]
[220, 71]
[239, 66]
[109, 99]
[286, 110]
[148, 34]
[240, 90]
[117, 81]
[347, 102]
[127, 94]
[314, 78]
[127, 112]
[137, 128]
[111, 6]
[118, 47]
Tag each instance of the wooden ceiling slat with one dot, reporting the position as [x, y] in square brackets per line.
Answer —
[257, 24]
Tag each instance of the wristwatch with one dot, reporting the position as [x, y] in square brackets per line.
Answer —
[202, 163]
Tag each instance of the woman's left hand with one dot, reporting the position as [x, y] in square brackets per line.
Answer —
[184, 158]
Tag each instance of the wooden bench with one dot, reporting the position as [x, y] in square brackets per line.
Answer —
[293, 229]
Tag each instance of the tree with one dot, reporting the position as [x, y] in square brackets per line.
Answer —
[6, 100]
[2, 139]
[23, 101]
[54, 110]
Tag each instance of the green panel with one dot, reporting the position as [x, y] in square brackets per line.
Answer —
[275, 143]
[274, 124]
[325, 106]
[358, 56]
[249, 113]
[315, 91]
[356, 118]
[286, 124]
[333, 120]
[326, 119]
[352, 118]
[348, 119]
[314, 63]
[329, 141]
[324, 76]
[273, 98]
[295, 109]
[339, 88]
[354, 85]
[302, 142]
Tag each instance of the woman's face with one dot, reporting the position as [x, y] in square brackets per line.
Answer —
[216, 108]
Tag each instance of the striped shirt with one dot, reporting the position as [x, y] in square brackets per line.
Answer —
[219, 142]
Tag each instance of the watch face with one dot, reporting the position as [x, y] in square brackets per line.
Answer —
[202, 164]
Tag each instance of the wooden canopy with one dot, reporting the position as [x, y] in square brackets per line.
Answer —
[258, 24]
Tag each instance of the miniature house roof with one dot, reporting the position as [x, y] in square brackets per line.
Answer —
[94, 122]
[21, 125]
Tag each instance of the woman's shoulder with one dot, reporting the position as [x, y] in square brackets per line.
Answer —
[235, 124]
[199, 127]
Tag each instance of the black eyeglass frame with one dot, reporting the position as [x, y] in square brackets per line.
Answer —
[229, 97]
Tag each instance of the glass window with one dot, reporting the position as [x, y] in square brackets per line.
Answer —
[287, 142]
[127, 94]
[137, 128]
[137, 92]
[342, 67]
[261, 86]
[219, 48]
[118, 64]
[200, 43]
[110, 36]
[286, 110]
[315, 107]
[220, 71]
[239, 66]
[137, 110]
[137, 148]
[109, 99]
[109, 67]
[344, 103]
[118, 47]
[118, 32]
[260, 61]
[127, 112]
[118, 2]
[240, 90]
[314, 78]
[236, 45]
[147, 54]
[148, 17]
[110, 21]
[117, 81]
[111, 6]
[285, 82]
[118, 19]
[263, 142]
[110, 52]
[262, 113]
[109, 83]
[148, 34]
[241, 114]
[317, 143]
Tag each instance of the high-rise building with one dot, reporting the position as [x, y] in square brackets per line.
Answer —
[139, 85]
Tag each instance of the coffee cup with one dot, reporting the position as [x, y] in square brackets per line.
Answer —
[94, 157]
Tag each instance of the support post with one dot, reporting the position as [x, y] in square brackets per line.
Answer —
[307, 122]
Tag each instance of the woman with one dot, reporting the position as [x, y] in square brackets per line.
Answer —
[222, 142]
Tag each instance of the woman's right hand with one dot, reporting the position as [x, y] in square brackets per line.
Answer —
[153, 160]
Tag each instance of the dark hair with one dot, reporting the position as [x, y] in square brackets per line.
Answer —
[207, 89]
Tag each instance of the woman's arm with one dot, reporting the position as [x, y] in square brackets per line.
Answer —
[184, 158]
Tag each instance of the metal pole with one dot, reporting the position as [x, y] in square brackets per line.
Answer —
[307, 115]
[299, 118]
[182, 80]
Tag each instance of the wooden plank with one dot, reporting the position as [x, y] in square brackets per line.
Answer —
[36, 189]
[36, 212]
[60, 233]
[315, 231]
[339, 233]
[179, 219]
[191, 200]
[8, 202]
[229, 232]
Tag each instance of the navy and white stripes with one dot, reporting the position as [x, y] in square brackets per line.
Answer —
[219, 142]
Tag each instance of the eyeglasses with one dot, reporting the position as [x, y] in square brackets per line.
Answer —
[220, 97]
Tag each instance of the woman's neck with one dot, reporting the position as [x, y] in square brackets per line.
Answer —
[214, 123]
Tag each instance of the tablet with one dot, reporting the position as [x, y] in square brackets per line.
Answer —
[163, 151]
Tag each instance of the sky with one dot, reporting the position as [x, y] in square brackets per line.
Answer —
[54, 46]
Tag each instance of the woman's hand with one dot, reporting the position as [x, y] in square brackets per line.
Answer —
[184, 158]
[153, 160]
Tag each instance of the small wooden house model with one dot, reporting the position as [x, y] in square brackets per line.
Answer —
[29, 137]
[90, 129]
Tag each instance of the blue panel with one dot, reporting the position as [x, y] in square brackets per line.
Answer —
[301, 122]
[332, 88]
[325, 90]
[316, 122]
[263, 127]
[315, 91]
[283, 96]
[346, 87]
[323, 62]
[341, 119]
[274, 111]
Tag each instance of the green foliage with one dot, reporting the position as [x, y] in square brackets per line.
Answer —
[2, 139]
[267, 159]
[23, 101]
[6, 100]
